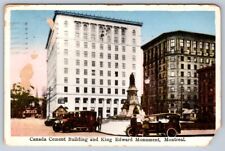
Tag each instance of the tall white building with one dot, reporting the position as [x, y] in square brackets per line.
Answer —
[90, 59]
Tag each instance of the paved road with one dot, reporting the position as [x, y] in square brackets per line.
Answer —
[36, 127]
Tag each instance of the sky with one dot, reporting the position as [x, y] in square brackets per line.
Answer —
[29, 33]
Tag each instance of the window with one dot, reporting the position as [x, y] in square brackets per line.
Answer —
[76, 108]
[134, 58]
[116, 82]
[65, 70]
[181, 73]
[116, 48]
[65, 79]
[213, 46]
[93, 100]
[134, 49]
[93, 90]
[101, 81]
[123, 48]
[123, 40]
[85, 89]
[109, 91]
[93, 45]
[101, 90]
[116, 65]
[85, 45]
[77, 80]
[77, 53]
[134, 66]
[65, 23]
[133, 32]
[123, 91]
[123, 57]
[77, 71]
[101, 64]
[85, 72]
[195, 67]
[108, 101]
[116, 73]
[77, 44]
[101, 55]
[189, 66]
[101, 72]
[172, 74]
[188, 43]
[77, 62]
[116, 30]
[109, 82]
[85, 63]
[200, 45]
[123, 82]
[92, 81]
[66, 52]
[188, 81]
[93, 72]
[181, 42]
[109, 64]
[77, 89]
[124, 65]
[172, 43]
[116, 91]
[109, 56]
[134, 41]
[189, 59]
[194, 44]
[93, 63]
[115, 101]
[77, 100]
[109, 73]
[93, 54]
[85, 80]
[65, 89]
[85, 54]
[189, 74]
[182, 66]
[116, 57]
[108, 110]
[84, 108]
[172, 58]
[85, 100]
[109, 47]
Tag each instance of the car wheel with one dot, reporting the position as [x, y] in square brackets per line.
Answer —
[171, 132]
[129, 131]
[66, 128]
[56, 127]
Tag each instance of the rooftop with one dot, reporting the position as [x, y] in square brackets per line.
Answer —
[75, 14]
[178, 33]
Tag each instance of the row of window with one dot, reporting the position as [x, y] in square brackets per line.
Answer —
[187, 81]
[93, 90]
[93, 27]
[109, 65]
[99, 101]
[184, 74]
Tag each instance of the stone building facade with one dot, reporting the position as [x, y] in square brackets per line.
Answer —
[171, 61]
[89, 60]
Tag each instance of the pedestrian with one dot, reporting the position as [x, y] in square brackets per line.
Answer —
[99, 122]
[133, 123]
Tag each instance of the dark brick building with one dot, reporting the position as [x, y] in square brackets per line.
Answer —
[170, 66]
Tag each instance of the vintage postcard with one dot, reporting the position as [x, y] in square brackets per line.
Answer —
[112, 75]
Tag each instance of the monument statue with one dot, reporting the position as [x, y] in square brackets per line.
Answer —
[132, 80]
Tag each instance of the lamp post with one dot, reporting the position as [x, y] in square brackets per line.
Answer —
[147, 83]
[181, 97]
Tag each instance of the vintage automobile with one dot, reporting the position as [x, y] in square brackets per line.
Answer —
[50, 121]
[83, 120]
[166, 124]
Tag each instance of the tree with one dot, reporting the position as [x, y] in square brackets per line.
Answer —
[20, 100]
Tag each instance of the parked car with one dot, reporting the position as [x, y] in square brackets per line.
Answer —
[164, 123]
[83, 120]
[50, 121]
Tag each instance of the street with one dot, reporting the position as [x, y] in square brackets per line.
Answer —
[36, 127]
